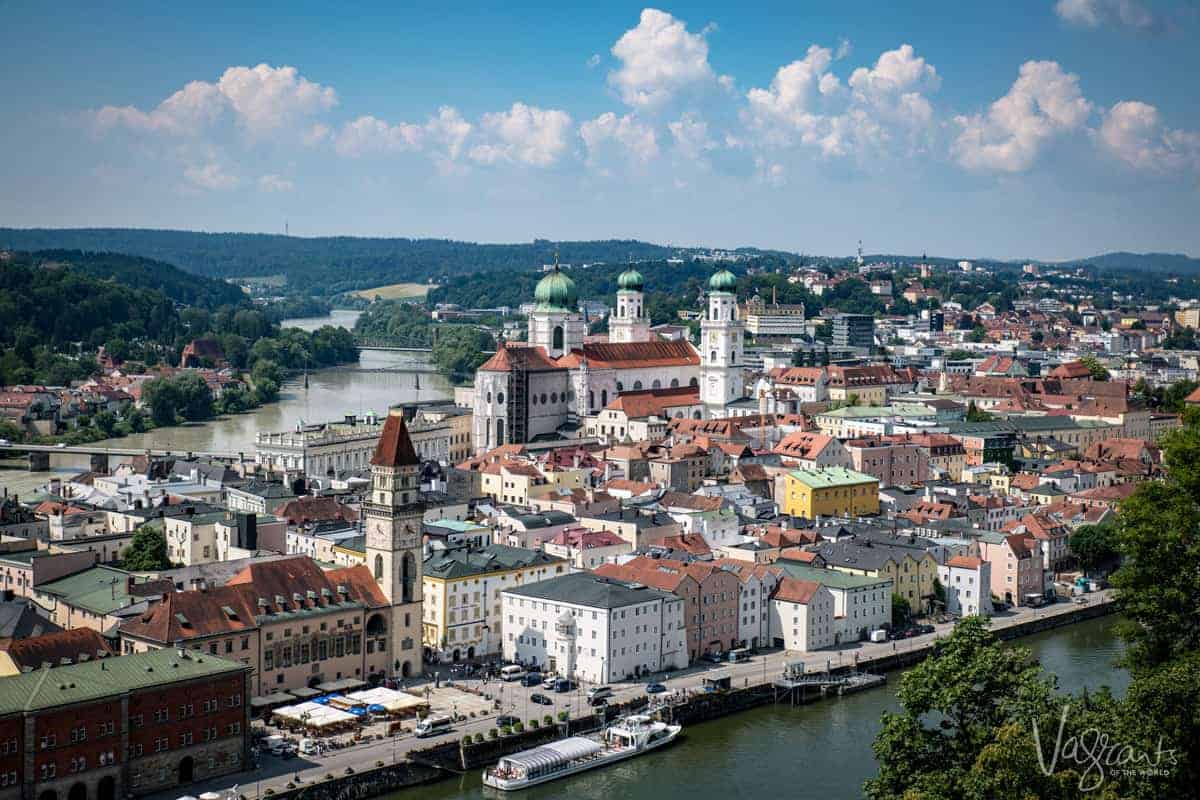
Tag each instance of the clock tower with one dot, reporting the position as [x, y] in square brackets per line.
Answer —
[393, 539]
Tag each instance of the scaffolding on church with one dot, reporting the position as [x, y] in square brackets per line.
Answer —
[518, 413]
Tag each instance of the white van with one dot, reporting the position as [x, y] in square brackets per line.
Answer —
[433, 726]
[309, 747]
[275, 745]
[513, 672]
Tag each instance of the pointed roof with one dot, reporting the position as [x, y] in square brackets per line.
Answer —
[395, 448]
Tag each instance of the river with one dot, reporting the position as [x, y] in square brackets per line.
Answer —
[816, 751]
[379, 379]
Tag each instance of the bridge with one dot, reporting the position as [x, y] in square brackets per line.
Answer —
[397, 344]
[39, 454]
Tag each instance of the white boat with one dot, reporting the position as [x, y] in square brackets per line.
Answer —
[626, 738]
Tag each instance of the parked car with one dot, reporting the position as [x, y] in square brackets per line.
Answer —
[563, 685]
[532, 679]
[655, 688]
[541, 699]
[923, 629]
[506, 721]
[550, 681]
[715, 658]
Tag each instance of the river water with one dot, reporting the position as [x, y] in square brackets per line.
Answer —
[379, 379]
[820, 751]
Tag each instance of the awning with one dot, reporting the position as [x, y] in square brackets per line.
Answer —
[305, 693]
[342, 685]
[274, 699]
[314, 715]
[391, 700]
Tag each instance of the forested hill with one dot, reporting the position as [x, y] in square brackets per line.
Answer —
[144, 273]
[329, 265]
[1176, 263]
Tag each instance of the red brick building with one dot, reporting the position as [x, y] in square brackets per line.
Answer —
[130, 725]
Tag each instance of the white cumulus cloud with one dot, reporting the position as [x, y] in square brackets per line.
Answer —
[211, 175]
[523, 135]
[635, 139]
[275, 183]
[1134, 132]
[442, 136]
[659, 58]
[1131, 15]
[260, 99]
[690, 133]
[1042, 103]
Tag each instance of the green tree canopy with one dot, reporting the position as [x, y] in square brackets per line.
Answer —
[147, 550]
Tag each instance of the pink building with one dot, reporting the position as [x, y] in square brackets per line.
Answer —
[1016, 565]
[893, 463]
[710, 595]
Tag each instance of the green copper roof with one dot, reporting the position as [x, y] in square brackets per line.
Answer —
[556, 292]
[723, 281]
[107, 677]
[828, 477]
[630, 280]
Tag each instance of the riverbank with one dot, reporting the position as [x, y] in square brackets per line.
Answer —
[834, 732]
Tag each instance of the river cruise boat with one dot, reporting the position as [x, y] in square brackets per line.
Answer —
[626, 738]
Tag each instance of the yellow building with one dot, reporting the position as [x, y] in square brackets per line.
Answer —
[461, 591]
[829, 492]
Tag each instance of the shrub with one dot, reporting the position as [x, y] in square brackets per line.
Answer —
[466, 739]
[563, 716]
[492, 733]
[519, 728]
[547, 720]
[533, 724]
[506, 730]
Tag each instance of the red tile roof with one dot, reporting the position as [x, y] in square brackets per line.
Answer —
[72, 646]
[654, 401]
[619, 355]
[395, 448]
[795, 590]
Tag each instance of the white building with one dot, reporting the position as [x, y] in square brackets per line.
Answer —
[968, 584]
[553, 381]
[861, 603]
[758, 583]
[320, 449]
[801, 616]
[594, 629]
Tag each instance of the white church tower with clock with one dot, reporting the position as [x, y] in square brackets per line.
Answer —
[393, 539]
[721, 342]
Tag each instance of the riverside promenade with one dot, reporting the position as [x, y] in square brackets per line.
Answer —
[763, 669]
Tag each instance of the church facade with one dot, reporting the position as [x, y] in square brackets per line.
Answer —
[544, 387]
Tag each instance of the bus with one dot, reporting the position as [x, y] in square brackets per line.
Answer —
[739, 654]
[433, 726]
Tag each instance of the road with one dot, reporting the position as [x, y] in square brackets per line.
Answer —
[276, 773]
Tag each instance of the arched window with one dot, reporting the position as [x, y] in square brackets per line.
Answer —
[558, 338]
[712, 357]
[554, 397]
[656, 385]
[378, 567]
[637, 386]
[604, 396]
[621, 310]
[591, 400]
[620, 387]
[533, 400]
[489, 397]
[500, 398]
[732, 360]
[499, 432]
[695, 415]
[674, 383]
[543, 398]
[693, 382]
[408, 577]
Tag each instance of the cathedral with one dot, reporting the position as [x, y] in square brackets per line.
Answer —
[542, 388]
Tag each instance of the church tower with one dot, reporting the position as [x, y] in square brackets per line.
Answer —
[628, 322]
[393, 539]
[721, 361]
[556, 324]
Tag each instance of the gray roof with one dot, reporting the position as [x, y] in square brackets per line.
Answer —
[593, 591]
[864, 553]
[639, 518]
[461, 562]
[19, 619]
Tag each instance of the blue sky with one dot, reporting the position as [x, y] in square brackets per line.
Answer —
[1046, 129]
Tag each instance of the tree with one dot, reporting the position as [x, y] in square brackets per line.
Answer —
[901, 611]
[966, 710]
[9, 431]
[105, 422]
[1099, 372]
[1095, 545]
[147, 550]
[974, 414]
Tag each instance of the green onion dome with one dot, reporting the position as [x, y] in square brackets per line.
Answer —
[630, 281]
[723, 281]
[556, 292]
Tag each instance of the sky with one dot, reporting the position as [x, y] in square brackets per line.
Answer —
[1044, 129]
